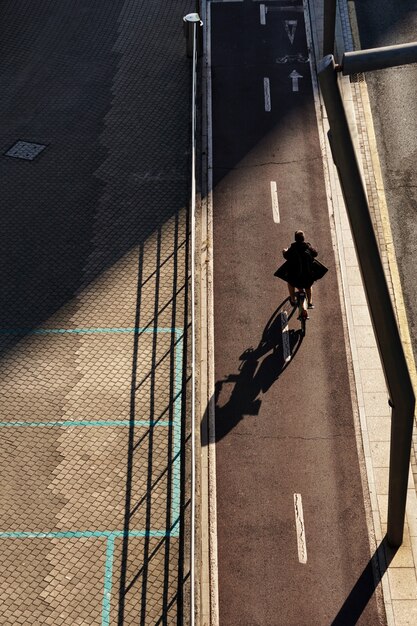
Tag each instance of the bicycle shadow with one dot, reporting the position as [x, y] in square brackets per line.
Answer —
[260, 367]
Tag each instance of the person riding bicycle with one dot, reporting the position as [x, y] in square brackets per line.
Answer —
[300, 255]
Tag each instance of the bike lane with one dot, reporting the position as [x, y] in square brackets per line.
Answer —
[292, 531]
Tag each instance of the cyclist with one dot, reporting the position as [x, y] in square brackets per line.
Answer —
[300, 255]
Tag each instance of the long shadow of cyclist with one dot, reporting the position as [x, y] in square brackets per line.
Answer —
[260, 367]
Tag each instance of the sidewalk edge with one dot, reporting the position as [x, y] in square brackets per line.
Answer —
[209, 611]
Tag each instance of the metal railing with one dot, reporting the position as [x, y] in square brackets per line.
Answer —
[384, 322]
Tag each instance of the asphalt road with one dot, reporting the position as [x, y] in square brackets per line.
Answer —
[284, 426]
[393, 97]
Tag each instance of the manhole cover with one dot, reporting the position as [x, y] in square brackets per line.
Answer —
[25, 150]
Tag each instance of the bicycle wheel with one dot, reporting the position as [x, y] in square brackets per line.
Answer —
[303, 321]
[302, 312]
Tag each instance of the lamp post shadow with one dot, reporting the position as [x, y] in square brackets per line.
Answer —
[365, 586]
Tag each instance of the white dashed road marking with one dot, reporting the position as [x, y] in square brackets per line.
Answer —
[299, 524]
[267, 95]
[274, 200]
[286, 348]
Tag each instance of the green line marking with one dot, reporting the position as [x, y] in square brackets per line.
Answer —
[83, 534]
[92, 423]
[176, 434]
[108, 575]
[85, 331]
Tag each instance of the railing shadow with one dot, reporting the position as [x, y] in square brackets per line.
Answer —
[152, 569]
[365, 587]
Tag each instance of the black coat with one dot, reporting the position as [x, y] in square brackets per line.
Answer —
[300, 257]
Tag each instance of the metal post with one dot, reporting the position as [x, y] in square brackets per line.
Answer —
[329, 26]
[192, 25]
[384, 322]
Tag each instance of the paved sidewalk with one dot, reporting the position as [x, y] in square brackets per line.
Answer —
[399, 574]
[95, 315]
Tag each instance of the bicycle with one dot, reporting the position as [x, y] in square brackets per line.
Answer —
[302, 305]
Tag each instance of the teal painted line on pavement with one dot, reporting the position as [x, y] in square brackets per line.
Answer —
[83, 534]
[85, 331]
[67, 423]
[176, 434]
[108, 575]
[175, 527]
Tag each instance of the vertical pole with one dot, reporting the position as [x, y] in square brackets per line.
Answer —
[192, 35]
[195, 24]
[384, 322]
[329, 26]
[191, 24]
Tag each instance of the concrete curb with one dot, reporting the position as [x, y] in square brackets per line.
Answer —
[208, 612]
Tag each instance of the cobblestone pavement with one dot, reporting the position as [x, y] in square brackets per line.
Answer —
[94, 316]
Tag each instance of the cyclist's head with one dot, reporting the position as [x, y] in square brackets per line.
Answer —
[299, 235]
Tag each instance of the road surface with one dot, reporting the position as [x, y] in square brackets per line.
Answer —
[292, 532]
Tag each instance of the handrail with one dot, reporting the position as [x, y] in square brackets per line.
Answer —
[397, 376]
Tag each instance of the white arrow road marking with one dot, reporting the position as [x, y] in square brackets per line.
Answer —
[274, 198]
[299, 524]
[294, 77]
[290, 28]
[267, 94]
[262, 13]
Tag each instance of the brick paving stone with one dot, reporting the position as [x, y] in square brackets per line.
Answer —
[94, 317]
[75, 478]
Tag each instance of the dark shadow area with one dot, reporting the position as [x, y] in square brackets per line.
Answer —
[113, 169]
[115, 166]
[236, 63]
[389, 25]
[366, 585]
[259, 368]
